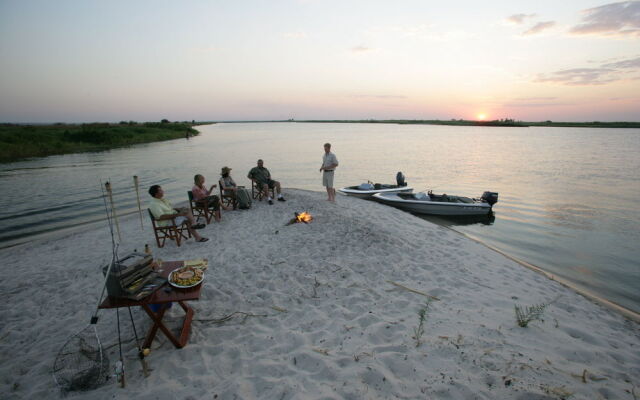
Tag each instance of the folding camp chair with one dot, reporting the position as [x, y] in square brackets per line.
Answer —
[171, 231]
[259, 194]
[200, 208]
[227, 200]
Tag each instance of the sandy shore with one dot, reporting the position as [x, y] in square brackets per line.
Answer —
[330, 320]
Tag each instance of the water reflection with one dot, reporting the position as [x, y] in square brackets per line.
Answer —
[459, 220]
[572, 215]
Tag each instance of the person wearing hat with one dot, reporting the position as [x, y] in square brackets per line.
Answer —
[240, 195]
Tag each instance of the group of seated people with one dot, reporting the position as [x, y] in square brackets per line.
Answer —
[163, 212]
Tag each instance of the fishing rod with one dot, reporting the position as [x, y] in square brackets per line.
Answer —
[114, 253]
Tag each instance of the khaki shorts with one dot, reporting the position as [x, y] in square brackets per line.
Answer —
[327, 179]
[269, 182]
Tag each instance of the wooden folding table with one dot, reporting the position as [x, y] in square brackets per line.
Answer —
[163, 297]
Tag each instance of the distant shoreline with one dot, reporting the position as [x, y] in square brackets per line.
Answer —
[461, 122]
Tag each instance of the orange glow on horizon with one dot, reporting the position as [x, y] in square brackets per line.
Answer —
[481, 116]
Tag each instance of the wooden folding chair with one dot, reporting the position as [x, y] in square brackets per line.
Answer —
[258, 194]
[172, 231]
[227, 199]
[200, 208]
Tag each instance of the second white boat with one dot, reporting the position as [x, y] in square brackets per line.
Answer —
[428, 203]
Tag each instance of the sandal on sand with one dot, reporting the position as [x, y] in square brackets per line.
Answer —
[199, 226]
[203, 239]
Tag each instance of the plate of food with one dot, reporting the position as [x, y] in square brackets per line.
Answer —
[186, 277]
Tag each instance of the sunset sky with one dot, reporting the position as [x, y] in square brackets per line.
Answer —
[81, 61]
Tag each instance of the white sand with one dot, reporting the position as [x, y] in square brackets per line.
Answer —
[343, 331]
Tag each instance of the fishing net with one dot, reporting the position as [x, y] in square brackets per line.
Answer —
[81, 364]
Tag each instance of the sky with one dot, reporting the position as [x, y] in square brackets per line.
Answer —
[109, 61]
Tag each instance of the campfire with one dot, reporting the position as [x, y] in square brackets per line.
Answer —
[301, 217]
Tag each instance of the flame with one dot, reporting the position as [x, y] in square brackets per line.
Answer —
[304, 217]
[301, 217]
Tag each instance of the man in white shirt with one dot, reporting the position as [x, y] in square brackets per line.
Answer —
[329, 165]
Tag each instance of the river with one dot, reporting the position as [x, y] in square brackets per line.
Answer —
[567, 195]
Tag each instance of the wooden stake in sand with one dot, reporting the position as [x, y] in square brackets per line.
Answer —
[113, 208]
[135, 183]
[413, 290]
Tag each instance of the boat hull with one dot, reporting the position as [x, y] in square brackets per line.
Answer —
[367, 194]
[433, 207]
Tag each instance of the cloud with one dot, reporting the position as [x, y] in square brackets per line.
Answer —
[518, 19]
[579, 77]
[533, 102]
[615, 19]
[361, 49]
[632, 63]
[539, 27]
[605, 73]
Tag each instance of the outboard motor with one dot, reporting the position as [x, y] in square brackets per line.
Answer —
[490, 197]
[400, 179]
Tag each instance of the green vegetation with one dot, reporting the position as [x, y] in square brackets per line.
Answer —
[422, 317]
[23, 141]
[528, 314]
[593, 124]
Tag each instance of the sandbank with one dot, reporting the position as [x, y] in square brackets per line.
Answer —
[335, 308]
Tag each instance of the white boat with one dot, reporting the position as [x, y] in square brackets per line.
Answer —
[365, 192]
[429, 203]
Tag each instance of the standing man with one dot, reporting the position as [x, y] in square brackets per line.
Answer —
[262, 177]
[329, 165]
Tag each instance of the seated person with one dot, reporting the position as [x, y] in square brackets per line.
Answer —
[203, 196]
[163, 212]
[262, 177]
[239, 194]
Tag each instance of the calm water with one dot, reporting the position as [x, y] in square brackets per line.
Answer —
[568, 196]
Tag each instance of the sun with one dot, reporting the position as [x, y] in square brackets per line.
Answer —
[481, 116]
